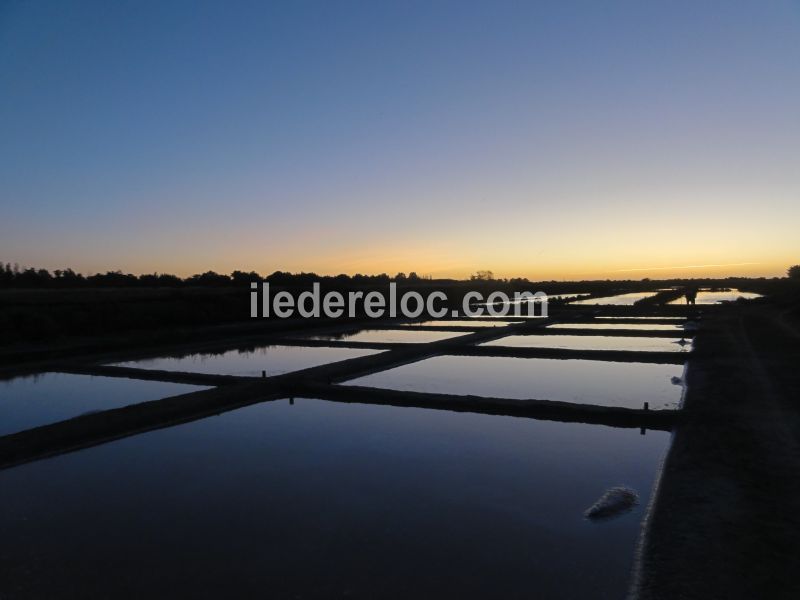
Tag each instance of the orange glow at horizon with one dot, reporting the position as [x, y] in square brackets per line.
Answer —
[536, 141]
[452, 270]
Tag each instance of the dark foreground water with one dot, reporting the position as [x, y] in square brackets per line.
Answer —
[327, 500]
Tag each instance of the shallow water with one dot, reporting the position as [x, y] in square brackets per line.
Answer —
[464, 323]
[647, 326]
[620, 300]
[535, 300]
[325, 500]
[393, 336]
[534, 314]
[704, 297]
[643, 318]
[568, 296]
[27, 402]
[591, 342]
[580, 381]
[275, 360]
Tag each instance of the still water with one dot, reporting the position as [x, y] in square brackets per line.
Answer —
[592, 342]
[706, 297]
[392, 336]
[325, 500]
[620, 300]
[648, 326]
[275, 360]
[642, 318]
[465, 323]
[535, 300]
[580, 381]
[27, 402]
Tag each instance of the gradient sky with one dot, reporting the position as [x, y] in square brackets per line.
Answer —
[542, 139]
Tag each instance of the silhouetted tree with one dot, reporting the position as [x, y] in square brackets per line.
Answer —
[67, 278]
[482, 276]
[113, 279]
[242, 278]
[6, 274]
[209, 278]
[159, 280]
[32, 278]
[794, 272]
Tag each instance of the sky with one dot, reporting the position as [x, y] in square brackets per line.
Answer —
[548, 140]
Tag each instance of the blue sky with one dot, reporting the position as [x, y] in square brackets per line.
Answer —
[544, 139]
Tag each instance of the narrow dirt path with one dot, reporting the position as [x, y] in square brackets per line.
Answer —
[727, 517]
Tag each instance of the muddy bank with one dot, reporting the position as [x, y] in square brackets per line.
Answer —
[726, 518]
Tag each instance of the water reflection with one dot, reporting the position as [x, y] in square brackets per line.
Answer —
[535, 300]
[27, 402]
[715, 297]
[275, 360]
[391, 336]
[642, 318]
[465, 323]
[325, 500]
[593, 342]
[581, 381]
[647, 326]
[620, 300]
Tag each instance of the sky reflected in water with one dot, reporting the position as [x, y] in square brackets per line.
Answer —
[465, 323]
[326, 500]
[704, 297]
[275, 360]
[647, 326]
[643, 318]
[591, 342]
[620, 300]
[392, 336]
[580, 381]
[27, 402]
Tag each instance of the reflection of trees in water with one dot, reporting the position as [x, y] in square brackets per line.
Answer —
[204, 355]
[8, 379]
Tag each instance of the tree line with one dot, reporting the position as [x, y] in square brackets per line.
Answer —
[12, 276]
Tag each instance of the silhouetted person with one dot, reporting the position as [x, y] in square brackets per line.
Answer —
[691, 295]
